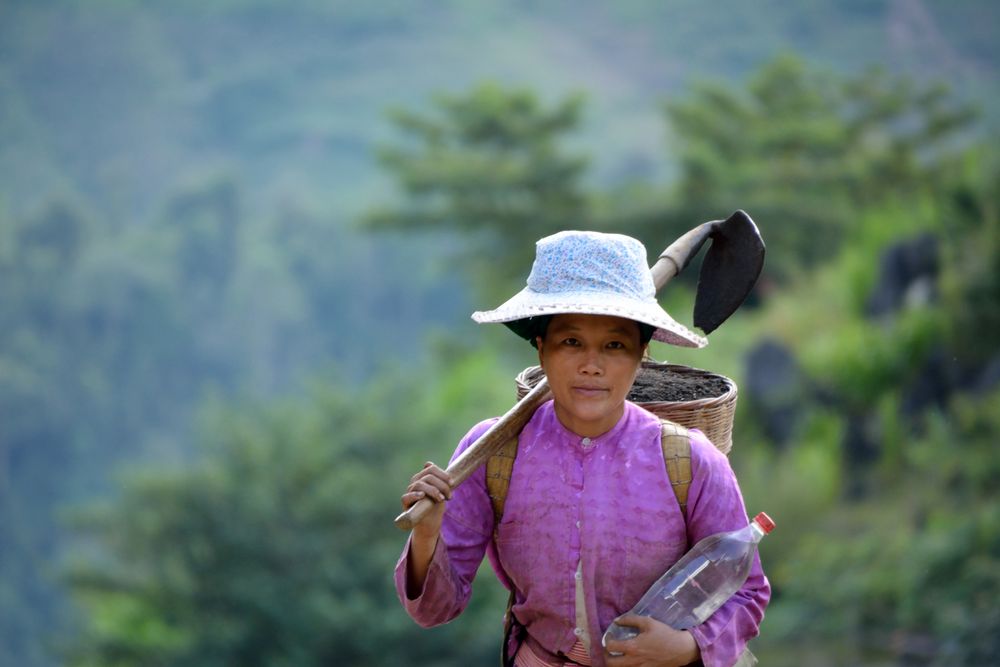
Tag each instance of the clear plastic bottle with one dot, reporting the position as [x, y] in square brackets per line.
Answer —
[701, 581]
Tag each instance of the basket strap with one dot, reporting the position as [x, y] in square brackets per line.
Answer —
[676, 444]
[499, 468]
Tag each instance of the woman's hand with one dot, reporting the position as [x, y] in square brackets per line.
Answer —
[434, 483]
[657, 645]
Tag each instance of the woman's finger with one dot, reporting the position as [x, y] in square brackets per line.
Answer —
[410, 498]
[442, 482]
[437, 484]
[432, 470]
[431, 487]
[640, 623]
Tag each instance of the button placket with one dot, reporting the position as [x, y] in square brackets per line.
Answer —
[578, 467]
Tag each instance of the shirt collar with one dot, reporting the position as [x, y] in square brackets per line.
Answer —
[589, 443]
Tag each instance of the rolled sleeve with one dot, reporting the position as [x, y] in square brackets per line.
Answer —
[441, 598]
[466, 530]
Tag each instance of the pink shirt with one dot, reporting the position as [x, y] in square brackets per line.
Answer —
[605, 502]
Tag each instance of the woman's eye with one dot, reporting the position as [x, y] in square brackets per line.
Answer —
[571, 341]
[616, 345]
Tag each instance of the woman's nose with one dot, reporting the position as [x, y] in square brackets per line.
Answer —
[591, 363]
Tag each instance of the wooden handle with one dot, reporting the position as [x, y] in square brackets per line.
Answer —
[486, 446]
[679, 253]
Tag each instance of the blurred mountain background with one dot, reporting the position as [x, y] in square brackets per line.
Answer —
[240, 240]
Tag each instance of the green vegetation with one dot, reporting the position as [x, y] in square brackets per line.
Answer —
[277, 547]
[112, 339]
[834, 148]
[214, 385]
[491, 169]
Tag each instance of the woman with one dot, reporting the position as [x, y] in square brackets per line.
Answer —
[590, 520]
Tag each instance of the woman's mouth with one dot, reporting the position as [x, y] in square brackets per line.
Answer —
[590, 391]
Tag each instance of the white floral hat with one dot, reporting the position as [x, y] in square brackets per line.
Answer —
[595, 274]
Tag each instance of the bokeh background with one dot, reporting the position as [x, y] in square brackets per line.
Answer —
[240, 241]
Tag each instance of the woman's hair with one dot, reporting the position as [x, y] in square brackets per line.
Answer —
[535, 327]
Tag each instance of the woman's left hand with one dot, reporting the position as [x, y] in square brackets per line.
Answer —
[657, 645]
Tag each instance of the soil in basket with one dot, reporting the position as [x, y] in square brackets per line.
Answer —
[655, 385]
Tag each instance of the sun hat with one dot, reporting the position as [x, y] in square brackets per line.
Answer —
[592, 273]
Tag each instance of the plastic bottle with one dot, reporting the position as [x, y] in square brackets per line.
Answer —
[701, 581]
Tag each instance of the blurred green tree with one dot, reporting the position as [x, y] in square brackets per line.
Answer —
[912, 573]
[111, 336]
[277, 547]
[972, 279]
[94, 356]
[901, 563]
[490, 165]
[40, 257]
[805, 151]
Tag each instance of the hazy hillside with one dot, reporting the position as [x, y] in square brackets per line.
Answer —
[121, 103]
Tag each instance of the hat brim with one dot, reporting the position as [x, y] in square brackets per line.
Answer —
[528, 303]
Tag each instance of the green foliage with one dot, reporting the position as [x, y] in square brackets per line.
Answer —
[276, 546]
[915, 568]
[808, 151]
[489, 165]
[971, 283]
[900, 564]
[111, 338]
[891, 356]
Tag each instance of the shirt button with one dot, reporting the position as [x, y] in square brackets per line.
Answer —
[585, 442]
[577, 631]
[577, 524]
[578, 575]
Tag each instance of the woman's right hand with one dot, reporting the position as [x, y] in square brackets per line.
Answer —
[435, 484]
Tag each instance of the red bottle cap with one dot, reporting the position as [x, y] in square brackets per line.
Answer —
[765, 522]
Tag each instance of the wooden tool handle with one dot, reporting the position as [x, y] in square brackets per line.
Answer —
[488, 443]
[678, 254]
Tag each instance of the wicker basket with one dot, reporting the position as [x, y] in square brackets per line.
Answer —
[712, 416]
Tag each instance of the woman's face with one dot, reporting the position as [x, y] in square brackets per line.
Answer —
[590, 362]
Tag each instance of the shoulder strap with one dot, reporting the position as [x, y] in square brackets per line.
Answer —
[498, 471]
[499, 468]
[676, 443]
